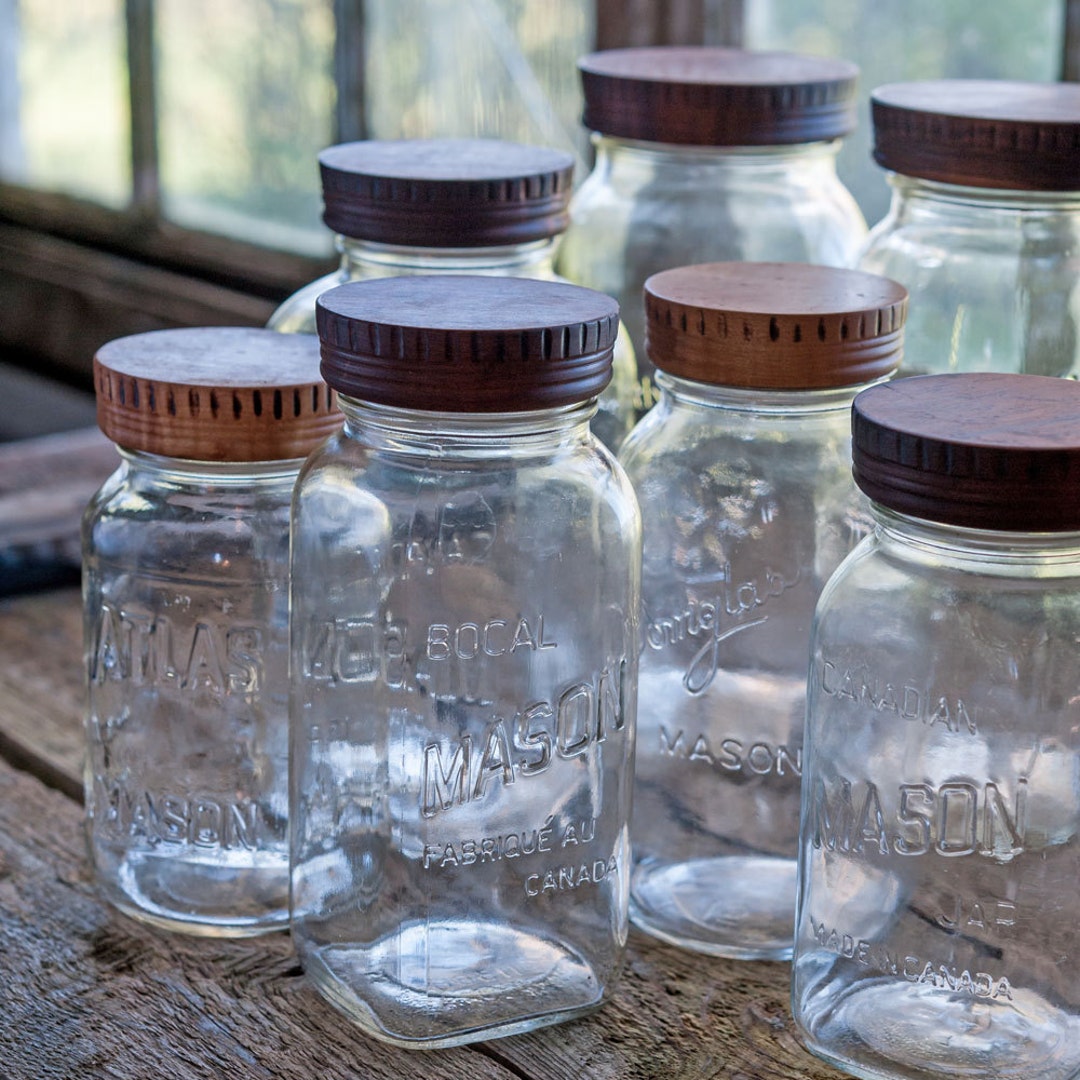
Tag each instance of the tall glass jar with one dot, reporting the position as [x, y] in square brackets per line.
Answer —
[452, 206]
[743, 472]
[185, 555]
[938, 908]
[466, 576]
[984, 225]
[708, 154]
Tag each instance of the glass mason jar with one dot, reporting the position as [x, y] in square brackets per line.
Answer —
[984, 225]
[743, 473]
[466, 584]
[452, 206]
[708, 154]
[939, 853]
[185, 557]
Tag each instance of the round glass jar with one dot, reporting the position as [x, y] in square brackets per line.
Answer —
[466, 575]
[743, 473]
[984, 224]
[185, 565]
[939, 853]
[452, 206]
[708, 154]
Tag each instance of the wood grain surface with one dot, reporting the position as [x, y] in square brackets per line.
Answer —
[88, 992]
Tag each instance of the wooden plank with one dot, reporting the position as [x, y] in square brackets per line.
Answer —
[679, 1015]
[87, 992]
[36, 405]
[674, 1013]
[250, 268]
[350, 70]
[632, 23]
[1070, 59]
[45, 484]
[61, 301]
[41, 686]
[142, 100]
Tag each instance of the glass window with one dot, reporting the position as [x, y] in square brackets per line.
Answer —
[899, 40]
[501, 68]
[245, 103]
[63, 98]
[245, 90]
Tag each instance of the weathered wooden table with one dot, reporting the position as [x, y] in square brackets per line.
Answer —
[87, 992]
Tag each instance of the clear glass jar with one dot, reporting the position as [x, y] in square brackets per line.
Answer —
[466, 573]
[937, 910]
[452, 206]
[185, 555]
[705, 155]
[743, 473]
[984, 224]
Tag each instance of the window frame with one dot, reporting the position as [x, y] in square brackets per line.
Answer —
[78, 273]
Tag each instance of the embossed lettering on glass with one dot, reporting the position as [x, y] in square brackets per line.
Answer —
[706, 154]
[452, 206]
[938, 910]
[743, 472]
[186, 609]
[466, 563]
[984, 224]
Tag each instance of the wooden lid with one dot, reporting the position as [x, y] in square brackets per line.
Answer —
[709, 96]
[214, 394]
[446, 192]
[774, 326]
[980, 450]
[451, 343]
[980, 133]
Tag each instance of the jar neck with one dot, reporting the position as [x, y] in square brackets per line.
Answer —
[916, 194]
[679, 392]
[935, 540]
[158, 468]
[630, 156]
[364, 258]
[473, 435]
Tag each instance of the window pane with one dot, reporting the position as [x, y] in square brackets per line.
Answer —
[245, 104]
[899, 40]
[63, 97]
[502, 68]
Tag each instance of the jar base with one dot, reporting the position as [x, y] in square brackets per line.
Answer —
[222, 897]
[736, 906]
[432, 985]
[880, 1029]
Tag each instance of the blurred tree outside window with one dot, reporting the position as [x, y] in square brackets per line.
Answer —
[901, 40]
[245, 98]
[63, 96]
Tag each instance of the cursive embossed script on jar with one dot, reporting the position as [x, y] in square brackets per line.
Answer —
[745, 482]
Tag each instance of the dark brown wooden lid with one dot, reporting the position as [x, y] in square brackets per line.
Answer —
[980, 450]
[980, 133]
[218, 393]
[710, 96]
[452, 343]
[774, 326]
[446, 192]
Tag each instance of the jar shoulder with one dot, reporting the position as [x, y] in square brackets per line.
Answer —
[885, 594]
[148, 520]
[723, 442]
[555, 486]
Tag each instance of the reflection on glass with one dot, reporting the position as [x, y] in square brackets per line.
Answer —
[502, 68]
